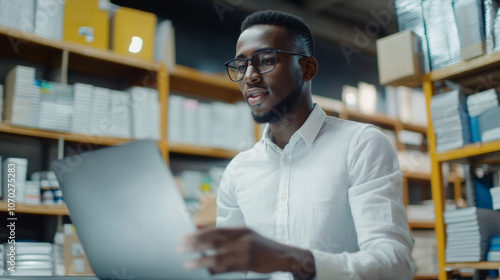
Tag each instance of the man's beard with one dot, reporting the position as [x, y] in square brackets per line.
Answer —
[285, 107]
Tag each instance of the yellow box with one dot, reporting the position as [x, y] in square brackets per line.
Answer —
[86, 23]
[133, 33]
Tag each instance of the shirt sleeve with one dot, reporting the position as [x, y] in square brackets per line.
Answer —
[375, 198]
[228, 211]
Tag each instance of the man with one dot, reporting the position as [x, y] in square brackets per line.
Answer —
[316, 196]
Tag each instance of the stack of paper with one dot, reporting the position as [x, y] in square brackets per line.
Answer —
[442, 34]
[495, 195]
[22, 97]
[120, 114]
[175, 118]
[191, 123]
[490, 13]
[56, 106]
[49, 18]
[477, 104]
[468, 232]
[470, 26]
[489, 124]
[410, 16]
[1, 102]
[82, 98]
[15, 168]
[205, 123]
[494, 250]
[145, 113]
[424, 251]
[18, 14]
[451, 121]
[32, 259]
[32, 192]
[99, 118]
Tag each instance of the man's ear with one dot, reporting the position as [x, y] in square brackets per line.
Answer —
[309, 67]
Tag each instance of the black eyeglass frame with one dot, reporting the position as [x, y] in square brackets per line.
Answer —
[246, 60]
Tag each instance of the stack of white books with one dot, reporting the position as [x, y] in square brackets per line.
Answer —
[477, 105]
[1, 102]
[22, 97]
[49, 19]
[18, 169]
[213, 124]
[18, 14]
[56, 106]
[99, 117]
[441, 32]
[145, 113]
[451, 121]
[120, 114]
[175, 118]
[82, 97]
[495, 195]
[424, 251]
[32, 193]
[468, 232]
[32, 259]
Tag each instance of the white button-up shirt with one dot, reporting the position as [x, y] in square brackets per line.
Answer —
[334, 189]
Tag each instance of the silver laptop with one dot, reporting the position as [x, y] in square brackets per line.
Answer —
[128, 213]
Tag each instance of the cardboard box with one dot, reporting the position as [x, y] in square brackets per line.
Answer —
[85, 22]
[75, 260]
[133, 33]
[399, 59]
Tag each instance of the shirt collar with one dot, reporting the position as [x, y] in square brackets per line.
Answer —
[308, 131]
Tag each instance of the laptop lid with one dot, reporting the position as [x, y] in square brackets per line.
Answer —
[127, 212]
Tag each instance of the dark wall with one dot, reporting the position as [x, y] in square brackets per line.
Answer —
[205, 39]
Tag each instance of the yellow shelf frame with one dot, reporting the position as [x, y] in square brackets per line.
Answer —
[480, 152]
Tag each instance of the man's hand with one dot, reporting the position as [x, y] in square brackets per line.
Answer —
[241, 249]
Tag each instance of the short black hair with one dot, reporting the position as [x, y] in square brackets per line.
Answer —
[296, 27]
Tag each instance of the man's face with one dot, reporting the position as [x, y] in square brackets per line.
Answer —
[274, 94]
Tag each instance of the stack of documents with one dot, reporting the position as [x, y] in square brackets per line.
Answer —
[19, 14]
[490, 13]
[442, 34]
[424, 251]
[489, 124]
[495, 195]
[410, 16]
[32, 259]
[477, 104]
[120, 114]
[145, 113]
[175, 118]
[49, 19]
[22, 97]
[19, 174]
[56, 106]
[82, 97]
[470, 26]
[468, 232]
[99, 118]
[451, 121]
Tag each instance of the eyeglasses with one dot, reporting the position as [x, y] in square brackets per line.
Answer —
[262, 62]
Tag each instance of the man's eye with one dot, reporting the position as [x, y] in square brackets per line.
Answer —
[241, 67]
[267, 61]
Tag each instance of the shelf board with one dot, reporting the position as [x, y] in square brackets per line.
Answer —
[36, 209]
[35, 132]
[415, 128]
[417, 175]
[476, 151]
[212, 85]
[475, 265]
[23, 42]
[463, 69]
[425, 276]
[201, 150]
[421, 224]
[381, 119]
